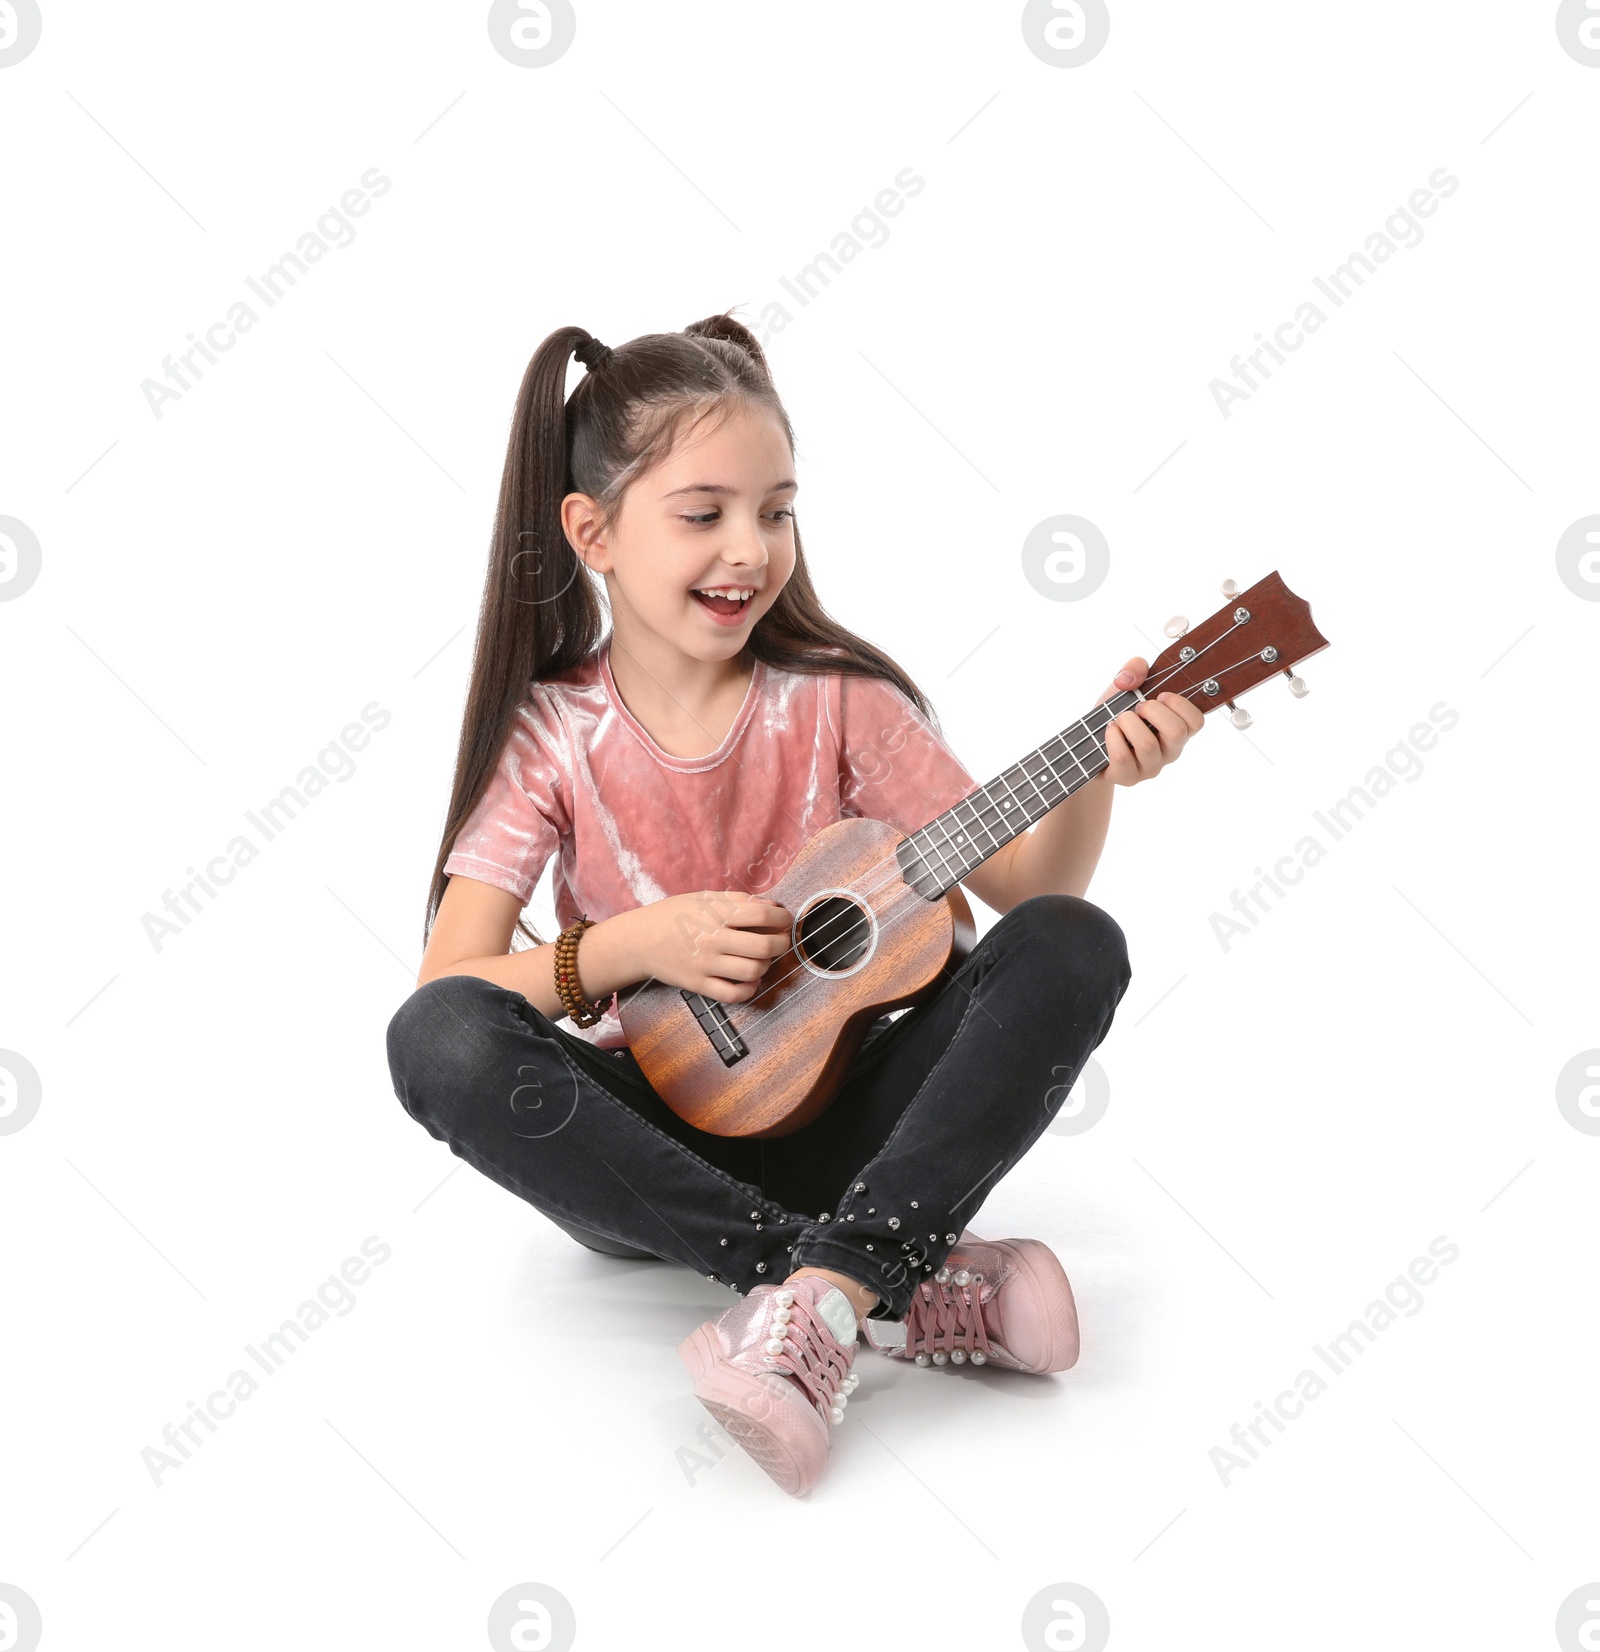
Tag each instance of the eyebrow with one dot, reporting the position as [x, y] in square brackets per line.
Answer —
[717, 487]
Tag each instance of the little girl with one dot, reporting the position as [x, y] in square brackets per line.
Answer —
[674, 766]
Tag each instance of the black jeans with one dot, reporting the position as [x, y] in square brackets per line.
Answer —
[938, 1105]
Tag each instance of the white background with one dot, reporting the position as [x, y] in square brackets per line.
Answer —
[1292, 1119]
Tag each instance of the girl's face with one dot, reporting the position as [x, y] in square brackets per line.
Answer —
[717, 513]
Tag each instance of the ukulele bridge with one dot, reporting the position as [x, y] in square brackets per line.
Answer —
[713, 1018]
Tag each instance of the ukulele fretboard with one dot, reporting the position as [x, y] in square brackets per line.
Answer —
[943, 852]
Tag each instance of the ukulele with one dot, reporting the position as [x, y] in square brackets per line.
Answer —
[879, 917]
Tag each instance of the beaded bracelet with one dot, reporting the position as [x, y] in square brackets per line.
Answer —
[584, 1012]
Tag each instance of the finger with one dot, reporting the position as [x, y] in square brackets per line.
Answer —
[725, 989]
[1140, 737]
[737, 967]
[1171, 730]
[1121, 764]
[727, 992]
[752, 912]
[1194, 718]
[722, 906]
[762, 944]
[1130, 676]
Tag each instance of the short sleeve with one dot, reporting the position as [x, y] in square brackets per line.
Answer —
[892, 765]
[521, 818]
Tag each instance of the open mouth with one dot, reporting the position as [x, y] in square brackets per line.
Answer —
[724, 606]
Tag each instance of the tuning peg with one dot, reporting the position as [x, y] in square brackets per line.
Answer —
[1230, 587]
[1176, 626]
[1297, 685]
[1241, 718]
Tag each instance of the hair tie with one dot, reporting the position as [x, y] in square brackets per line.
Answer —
[593, 354]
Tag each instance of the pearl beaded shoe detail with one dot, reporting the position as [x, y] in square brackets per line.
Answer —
[775, 1370]
[1002, 1302]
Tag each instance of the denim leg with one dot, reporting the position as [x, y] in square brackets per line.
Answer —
[579, 1134]
[941, 1105]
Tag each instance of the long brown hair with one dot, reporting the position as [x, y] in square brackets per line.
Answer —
[541, 615]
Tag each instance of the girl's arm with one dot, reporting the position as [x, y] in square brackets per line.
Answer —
[1058, 855]
[472, 931]
[716, 942]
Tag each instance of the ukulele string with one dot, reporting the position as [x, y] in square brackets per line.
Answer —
[906, 893]
[1183, 665]
[866, 892]
[892, 871]
[892, 868]
[883, 914]
[1095, 743]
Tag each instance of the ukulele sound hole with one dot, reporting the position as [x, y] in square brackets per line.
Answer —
[834, 934]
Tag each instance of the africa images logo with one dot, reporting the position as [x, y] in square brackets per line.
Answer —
[1066, 34]
[20, 27]
[1578, 30]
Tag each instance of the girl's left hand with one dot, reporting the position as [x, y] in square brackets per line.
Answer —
[1141, 742]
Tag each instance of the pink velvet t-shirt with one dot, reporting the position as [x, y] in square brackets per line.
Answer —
[630, 823]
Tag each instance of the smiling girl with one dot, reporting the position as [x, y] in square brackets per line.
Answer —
[673, 765]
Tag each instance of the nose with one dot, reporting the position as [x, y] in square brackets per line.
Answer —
[747, 549]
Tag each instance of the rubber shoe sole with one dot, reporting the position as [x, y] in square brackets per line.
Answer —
[786, 1439]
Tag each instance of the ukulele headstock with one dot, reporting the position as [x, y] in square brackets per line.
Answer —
[1260, 633]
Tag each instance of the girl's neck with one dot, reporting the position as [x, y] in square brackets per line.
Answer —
[686, 705]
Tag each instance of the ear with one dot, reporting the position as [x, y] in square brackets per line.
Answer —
[580, 522]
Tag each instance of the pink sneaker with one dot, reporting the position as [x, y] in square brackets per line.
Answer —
[995, 1302]
[775, 1371]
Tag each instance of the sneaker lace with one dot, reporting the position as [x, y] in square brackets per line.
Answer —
[945, 1321]
[801, 1346]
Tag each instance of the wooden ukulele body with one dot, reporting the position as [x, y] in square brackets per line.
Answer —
[862, 942]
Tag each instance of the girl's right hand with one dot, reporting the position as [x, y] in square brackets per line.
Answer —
[718, 942]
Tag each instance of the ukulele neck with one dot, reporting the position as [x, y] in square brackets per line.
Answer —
[936, 858]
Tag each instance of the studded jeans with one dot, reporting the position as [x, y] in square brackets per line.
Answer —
[938, 1105]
